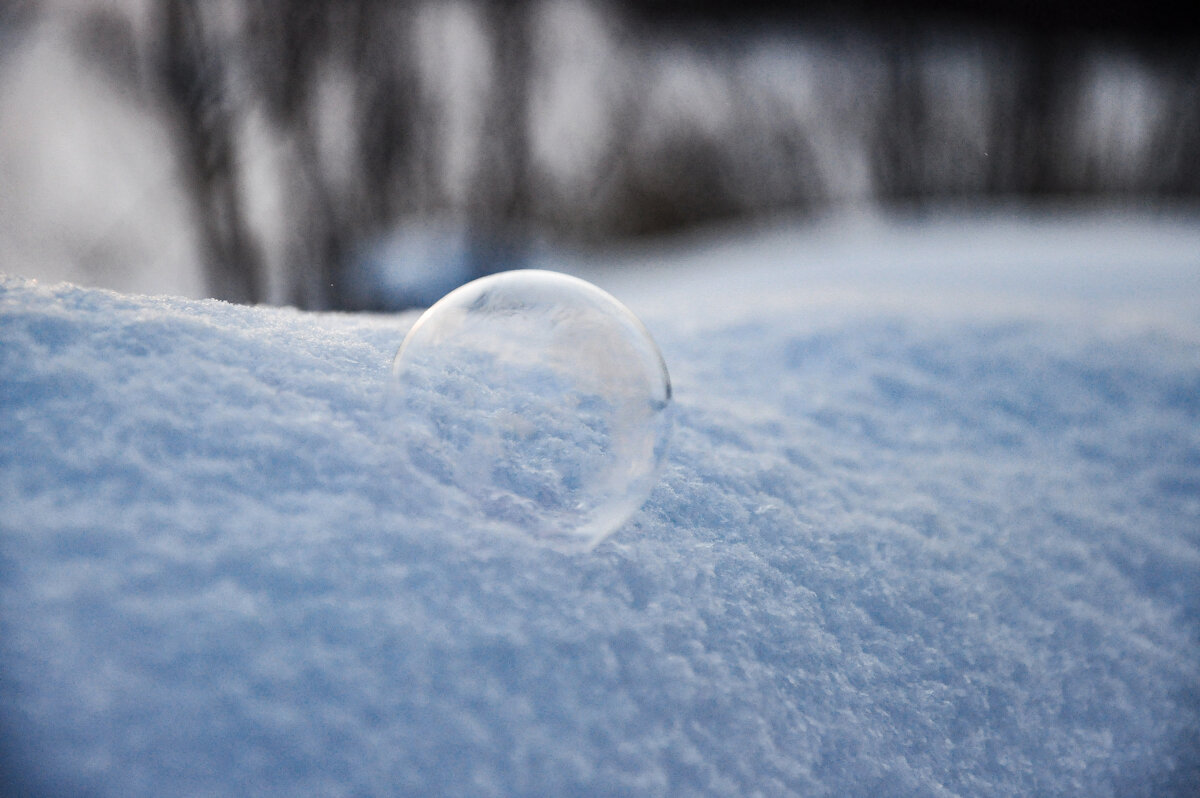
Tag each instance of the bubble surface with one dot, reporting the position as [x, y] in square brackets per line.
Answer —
[539, 401]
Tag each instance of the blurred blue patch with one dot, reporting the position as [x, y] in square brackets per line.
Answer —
[418, 263]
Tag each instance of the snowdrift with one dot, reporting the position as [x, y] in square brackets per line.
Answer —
[893, 552]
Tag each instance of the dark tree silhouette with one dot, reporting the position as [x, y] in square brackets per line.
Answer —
[220, 75]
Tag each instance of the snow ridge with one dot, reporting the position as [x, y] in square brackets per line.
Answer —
[887, 556]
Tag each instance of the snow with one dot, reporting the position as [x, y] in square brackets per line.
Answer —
[921, 532]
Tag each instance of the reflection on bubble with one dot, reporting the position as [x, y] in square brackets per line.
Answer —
[539, 400]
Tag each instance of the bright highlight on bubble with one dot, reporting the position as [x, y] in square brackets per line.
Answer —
[539, 400]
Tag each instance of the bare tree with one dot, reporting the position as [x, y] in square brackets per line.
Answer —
[195, 87]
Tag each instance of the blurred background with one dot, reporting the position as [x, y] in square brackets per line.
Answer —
[372, 155]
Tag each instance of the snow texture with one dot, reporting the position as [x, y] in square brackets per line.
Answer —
[891, 554]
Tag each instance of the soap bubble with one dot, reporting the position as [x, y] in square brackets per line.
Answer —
[538, 401]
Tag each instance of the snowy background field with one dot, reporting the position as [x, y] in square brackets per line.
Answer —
[930, 526]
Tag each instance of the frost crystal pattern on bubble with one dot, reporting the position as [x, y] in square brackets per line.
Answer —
[540, 400]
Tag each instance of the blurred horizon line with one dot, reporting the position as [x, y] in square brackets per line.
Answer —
[283, 135]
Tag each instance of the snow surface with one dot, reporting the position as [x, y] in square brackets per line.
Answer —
[899, 548]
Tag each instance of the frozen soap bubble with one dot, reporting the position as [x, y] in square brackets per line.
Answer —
[539, 401]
